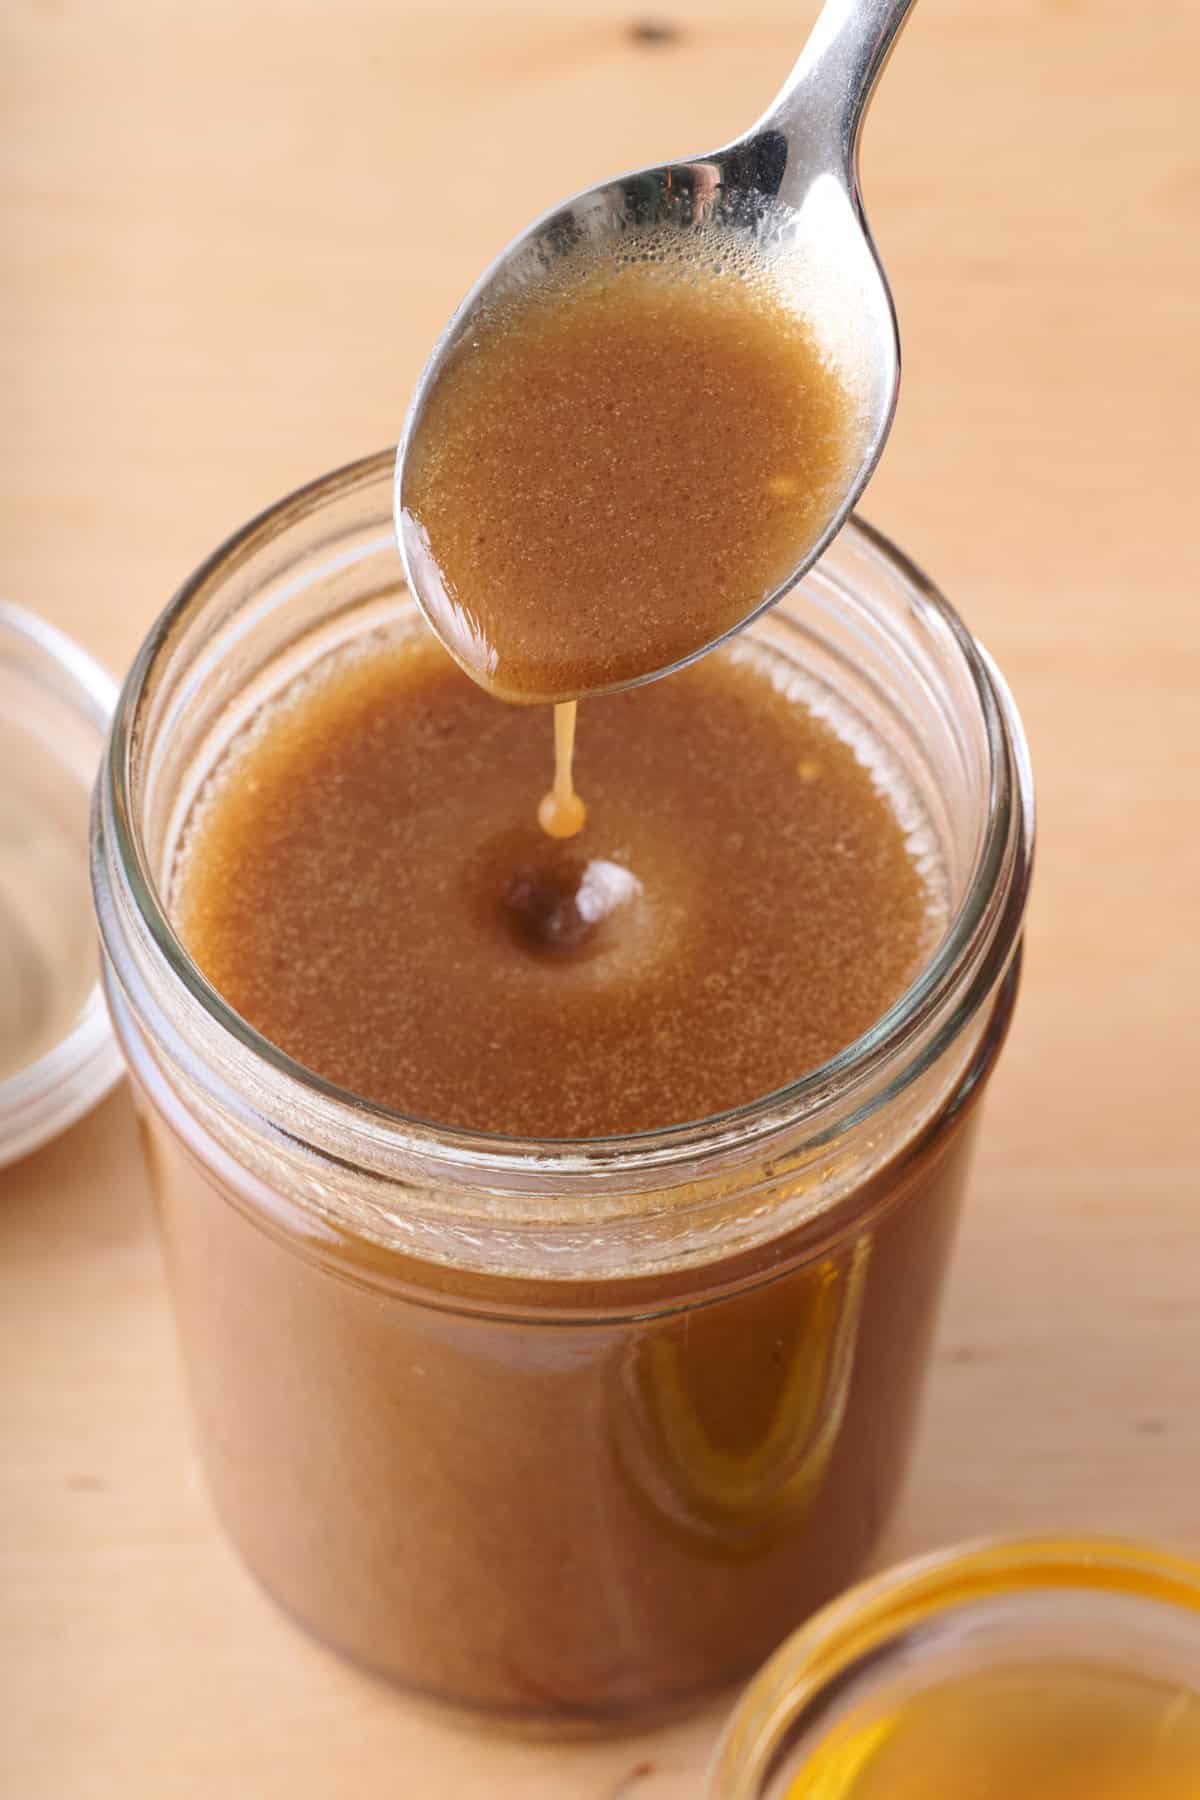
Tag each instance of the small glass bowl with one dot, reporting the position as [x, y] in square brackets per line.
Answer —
[55, 706]
[1098, 1604]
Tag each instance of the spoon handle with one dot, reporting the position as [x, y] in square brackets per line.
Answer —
[821, 105]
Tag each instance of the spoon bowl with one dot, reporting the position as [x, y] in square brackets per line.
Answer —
[782, 203]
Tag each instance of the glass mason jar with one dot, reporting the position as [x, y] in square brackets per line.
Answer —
[572, 1432]
[1084, 1625]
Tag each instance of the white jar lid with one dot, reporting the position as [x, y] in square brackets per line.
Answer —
[57, 1053]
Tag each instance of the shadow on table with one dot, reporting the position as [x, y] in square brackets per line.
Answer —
[87, 1187]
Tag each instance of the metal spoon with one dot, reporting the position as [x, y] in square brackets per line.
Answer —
[789, 191]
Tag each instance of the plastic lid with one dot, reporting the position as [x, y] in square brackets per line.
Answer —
[57, 1053]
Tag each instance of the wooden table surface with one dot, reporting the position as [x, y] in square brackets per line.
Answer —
[230, 232]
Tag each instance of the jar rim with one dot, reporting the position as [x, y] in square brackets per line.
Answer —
[981, 936]
[853, 1631]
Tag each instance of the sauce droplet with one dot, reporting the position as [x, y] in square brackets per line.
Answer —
[561, 813]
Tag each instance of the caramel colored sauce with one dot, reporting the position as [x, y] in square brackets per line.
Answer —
[553, 1502]
[365, 885]
[562, 814]
[1047, 1732]
[617, 468]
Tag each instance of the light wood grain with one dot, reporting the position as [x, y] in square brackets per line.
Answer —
[230, 233]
